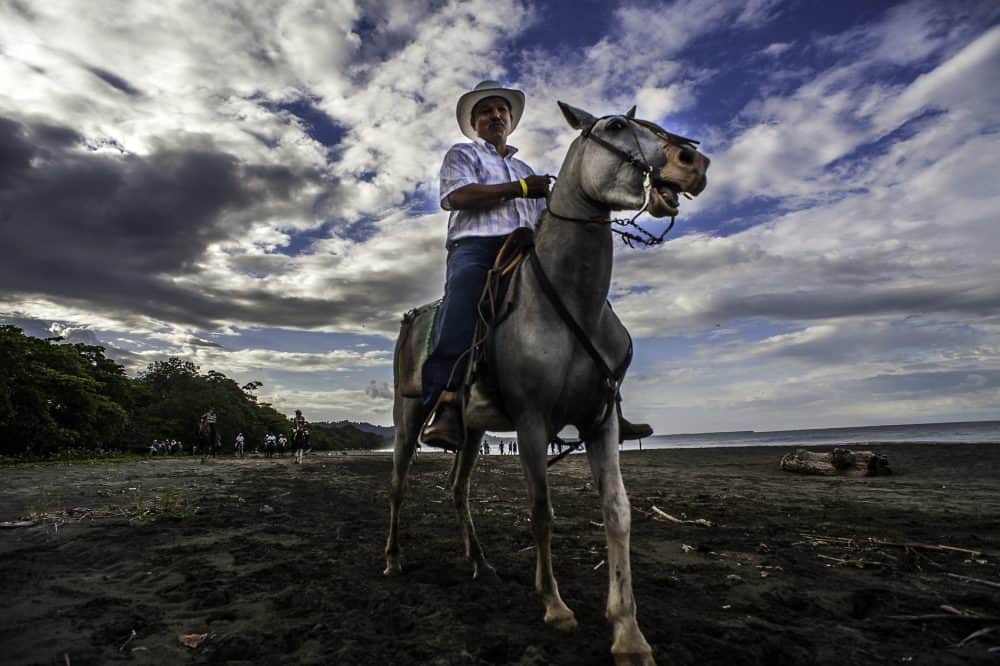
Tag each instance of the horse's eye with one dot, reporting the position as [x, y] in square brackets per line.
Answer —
[616, 124]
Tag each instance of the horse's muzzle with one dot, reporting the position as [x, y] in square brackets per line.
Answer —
[683, 170]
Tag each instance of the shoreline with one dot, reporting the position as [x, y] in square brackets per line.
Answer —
[646, 448]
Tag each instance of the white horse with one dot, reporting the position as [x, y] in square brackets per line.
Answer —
[549, 375]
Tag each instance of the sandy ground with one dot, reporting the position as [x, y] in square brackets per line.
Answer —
[279, 563]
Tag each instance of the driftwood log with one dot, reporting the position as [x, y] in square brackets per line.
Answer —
[839, 462]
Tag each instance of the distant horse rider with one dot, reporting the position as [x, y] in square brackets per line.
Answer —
[300, 436]
[489, 194]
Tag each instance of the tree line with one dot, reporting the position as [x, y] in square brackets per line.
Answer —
[64, 399]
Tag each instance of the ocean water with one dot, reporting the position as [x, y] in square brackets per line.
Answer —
[970, 432]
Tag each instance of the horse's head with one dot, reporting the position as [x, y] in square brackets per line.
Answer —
[617, 152]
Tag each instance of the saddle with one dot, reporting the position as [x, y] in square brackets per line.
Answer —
[495, 304]
[481, 396]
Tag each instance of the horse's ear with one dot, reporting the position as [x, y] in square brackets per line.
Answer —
[630, 113]
[577, 118]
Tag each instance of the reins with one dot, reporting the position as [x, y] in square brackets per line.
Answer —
[646, 238]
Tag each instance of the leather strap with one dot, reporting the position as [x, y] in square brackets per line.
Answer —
[612, 378]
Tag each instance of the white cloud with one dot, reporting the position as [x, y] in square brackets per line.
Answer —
[338, 404]
[379, 390]
[788, 141]
[777, 48]
[758, 12]
[881, 275]
[825, 375]
[879, 247]
[965, 85]
[661, 102]
[73, 315]
[255, 360]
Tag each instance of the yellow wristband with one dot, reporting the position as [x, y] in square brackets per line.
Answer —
[524, 188]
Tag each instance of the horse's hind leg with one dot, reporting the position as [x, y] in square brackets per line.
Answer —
[406, 414]
[532, 445]
[629, 645]
[465, 461]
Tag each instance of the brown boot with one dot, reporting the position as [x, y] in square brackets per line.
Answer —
[628, 430]
[443, 428]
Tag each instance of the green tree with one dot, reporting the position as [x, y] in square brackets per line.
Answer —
[174, 394]
[344, 438]
[57, 396]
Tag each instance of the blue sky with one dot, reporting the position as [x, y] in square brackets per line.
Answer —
[253, 186]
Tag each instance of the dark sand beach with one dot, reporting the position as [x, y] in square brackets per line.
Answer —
[282, 564]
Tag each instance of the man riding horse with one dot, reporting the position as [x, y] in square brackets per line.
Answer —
[560, 352]
[489, 194]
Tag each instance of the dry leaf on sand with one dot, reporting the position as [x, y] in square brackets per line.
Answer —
[192, 640]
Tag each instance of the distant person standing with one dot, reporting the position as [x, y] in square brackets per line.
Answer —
[298, 421]
[208, 433]
[240, 443]
[300, 436]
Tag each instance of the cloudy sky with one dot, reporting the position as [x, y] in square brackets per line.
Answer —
[253, 186]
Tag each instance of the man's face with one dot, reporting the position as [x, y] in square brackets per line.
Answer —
[491, 119]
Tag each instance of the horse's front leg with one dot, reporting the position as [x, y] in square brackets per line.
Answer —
[465, 462]
[406, 415]
[532, 445]
[629, 646]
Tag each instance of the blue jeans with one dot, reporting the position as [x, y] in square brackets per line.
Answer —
[469, 260]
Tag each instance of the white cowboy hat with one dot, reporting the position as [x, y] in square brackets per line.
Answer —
[483, 90]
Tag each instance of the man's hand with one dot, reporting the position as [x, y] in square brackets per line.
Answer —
[475, 195]
[538, 186]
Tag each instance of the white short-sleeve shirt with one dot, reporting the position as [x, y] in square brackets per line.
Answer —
[479, 162]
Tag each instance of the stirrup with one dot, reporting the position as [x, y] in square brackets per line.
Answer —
[629, 431]
[449, 436]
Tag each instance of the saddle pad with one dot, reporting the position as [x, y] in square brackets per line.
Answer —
[413, 347]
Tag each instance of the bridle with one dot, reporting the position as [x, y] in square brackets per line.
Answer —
[639, 162]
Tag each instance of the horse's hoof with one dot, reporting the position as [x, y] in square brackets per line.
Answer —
[393, 569]
[561, 621]
[631, 649]
[635, 659]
